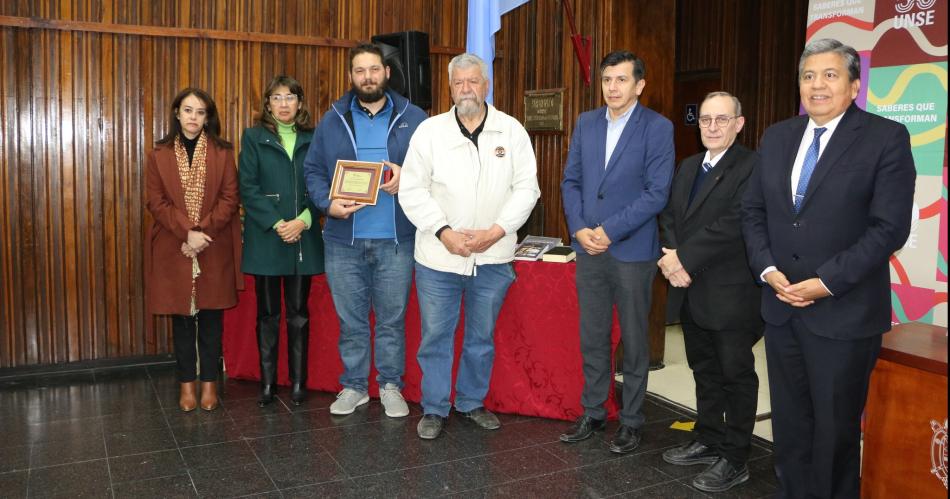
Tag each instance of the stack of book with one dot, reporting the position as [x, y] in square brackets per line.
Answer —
[533, 247]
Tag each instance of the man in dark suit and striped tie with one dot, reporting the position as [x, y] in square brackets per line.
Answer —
[705, 261]
[830, 203]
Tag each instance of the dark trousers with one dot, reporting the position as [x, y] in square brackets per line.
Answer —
[296, 291]
[818, 387]
[727, 388]
[197, 340]
[602, 283]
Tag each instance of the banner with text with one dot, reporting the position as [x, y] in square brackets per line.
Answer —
[903, 48]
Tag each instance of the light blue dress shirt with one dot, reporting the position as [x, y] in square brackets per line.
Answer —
[614, 129]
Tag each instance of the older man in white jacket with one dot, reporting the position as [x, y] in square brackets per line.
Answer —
[468, 183]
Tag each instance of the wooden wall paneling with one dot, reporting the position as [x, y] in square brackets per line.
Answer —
[781, 45]
[15, 182]
[740, 47]
[699, 29]
[72, 196]
[42, 178]
[104, 173]
[8, 312]
[649, 33]
[553, 37]
[31, 209]
[123, 233]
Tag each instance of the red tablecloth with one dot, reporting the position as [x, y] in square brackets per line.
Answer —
[537, 369]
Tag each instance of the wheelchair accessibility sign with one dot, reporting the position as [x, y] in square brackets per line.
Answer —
[692, 114]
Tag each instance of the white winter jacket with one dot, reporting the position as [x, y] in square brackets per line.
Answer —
[446, 180]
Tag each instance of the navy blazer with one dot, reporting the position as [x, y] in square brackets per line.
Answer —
[856, 213]
[626, 197]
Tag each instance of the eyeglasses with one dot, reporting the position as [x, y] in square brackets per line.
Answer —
[721, 121]
[289, 98]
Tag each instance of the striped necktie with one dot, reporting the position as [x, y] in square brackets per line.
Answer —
[808, 167]
[700, 177]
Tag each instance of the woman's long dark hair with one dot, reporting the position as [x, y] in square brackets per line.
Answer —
[266, 119]
[212, 125]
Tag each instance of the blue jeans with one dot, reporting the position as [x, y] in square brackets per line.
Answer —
[377, 274]
[440, 294]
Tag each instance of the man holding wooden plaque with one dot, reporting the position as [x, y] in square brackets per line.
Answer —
[368, 241]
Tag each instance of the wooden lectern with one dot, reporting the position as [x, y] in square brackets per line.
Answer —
[905, 420]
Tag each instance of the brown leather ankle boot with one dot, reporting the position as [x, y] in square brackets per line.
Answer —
[209, 395]
[187, 400]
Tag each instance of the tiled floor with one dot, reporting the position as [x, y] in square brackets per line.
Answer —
[119, 433]
[675, 381]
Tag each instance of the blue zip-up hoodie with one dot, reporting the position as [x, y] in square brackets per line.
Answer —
[335, 139]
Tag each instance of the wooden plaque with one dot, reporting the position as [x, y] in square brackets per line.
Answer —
[356, 180]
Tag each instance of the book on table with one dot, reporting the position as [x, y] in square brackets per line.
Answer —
[533, 247]
[559, 254]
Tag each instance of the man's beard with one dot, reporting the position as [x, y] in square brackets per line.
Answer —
[374, 95]
[469, 107]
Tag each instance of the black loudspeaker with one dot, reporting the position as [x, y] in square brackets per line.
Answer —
[407, 54]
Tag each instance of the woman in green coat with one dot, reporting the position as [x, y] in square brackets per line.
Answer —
[282, 243]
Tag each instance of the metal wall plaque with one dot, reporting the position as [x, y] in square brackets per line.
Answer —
[544, 109]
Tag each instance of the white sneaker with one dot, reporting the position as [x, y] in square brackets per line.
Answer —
[393, 402]
[347, 401]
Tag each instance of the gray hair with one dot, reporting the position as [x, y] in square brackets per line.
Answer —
[735, 100]
[825, 45]
[468, 60]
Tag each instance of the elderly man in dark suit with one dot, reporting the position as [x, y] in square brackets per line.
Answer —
[823, 213]
[616, 182]
[705, 261]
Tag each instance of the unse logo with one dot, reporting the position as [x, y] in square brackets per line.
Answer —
[905, 18]
[938, 451]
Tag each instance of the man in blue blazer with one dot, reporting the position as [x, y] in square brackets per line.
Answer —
[616, 181]
[829, 204]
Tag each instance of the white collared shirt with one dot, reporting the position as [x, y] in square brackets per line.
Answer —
[807, 139]
[614, 129]
[713, 161]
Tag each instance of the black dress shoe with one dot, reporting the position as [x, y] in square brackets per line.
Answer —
[689, 453]
[298, 392]
[625, 440]
[721, 476]
[267, 395]
[582, 429]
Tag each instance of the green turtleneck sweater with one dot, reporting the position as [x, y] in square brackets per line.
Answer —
[288, 137]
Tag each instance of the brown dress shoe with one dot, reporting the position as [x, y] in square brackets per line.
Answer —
[187, 400]
[209, 395]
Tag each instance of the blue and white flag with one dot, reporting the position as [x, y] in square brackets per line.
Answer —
[484, 19]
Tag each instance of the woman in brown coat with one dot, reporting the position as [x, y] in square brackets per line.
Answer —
[193, 250]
